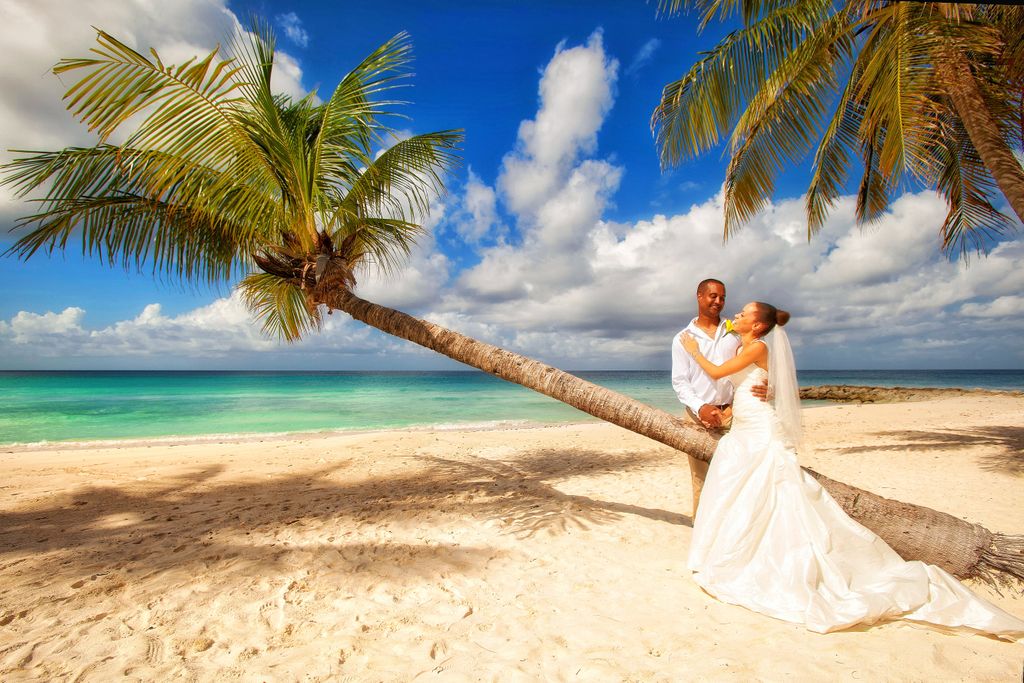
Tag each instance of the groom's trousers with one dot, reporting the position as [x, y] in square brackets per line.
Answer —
[699, 468]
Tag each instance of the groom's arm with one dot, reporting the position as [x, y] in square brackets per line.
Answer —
[760, 390]
[681, 367]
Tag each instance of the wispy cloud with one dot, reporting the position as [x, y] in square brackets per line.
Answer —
[643, 56]
[292, 27]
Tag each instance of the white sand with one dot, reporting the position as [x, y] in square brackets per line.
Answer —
[539, 554]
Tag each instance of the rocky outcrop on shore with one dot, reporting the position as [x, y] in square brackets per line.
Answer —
[860, 394]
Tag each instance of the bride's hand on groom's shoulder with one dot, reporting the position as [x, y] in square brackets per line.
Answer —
[688, 342]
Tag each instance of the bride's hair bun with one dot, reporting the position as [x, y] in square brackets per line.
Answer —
[770, 316]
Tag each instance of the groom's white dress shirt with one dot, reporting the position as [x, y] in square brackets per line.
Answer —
[693, 386]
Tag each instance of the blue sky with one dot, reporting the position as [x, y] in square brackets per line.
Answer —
[560, 237]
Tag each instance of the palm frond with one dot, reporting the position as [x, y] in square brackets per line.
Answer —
[269, 122]
[1008, 21]
[139, 208]
[352, 112]
[403, 180]
[281, 305]
[133, 232]
[724, 10]
[188, 109]
[122, 82]
[893, 105]
[972, 221]
[698, 109]
[896, 83]
[254, 48]
[382, 242]
[833, 158]
[782, 120]
[875, 187]
[192, 113]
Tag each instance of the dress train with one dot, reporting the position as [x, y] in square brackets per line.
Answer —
[768, 537]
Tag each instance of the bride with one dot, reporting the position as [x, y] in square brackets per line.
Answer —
[768, 537]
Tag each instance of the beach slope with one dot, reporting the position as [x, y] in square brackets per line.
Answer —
[530, 554]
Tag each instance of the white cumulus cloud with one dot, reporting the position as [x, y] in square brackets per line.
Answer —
[218, 334]
[478, 216]
[616, 297]
[576, 93]
[1004, 306]
[36, 35]
[30, 328]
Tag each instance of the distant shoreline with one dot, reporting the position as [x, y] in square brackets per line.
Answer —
[187, 440]
[845, 393]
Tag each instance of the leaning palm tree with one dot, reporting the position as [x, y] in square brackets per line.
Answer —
[925, 92]
[223, 178]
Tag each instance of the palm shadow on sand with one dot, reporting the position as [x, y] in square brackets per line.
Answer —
[1006, 456]
[524, 496]
[91, 531]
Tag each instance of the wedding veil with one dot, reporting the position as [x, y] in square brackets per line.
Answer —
[783, 385]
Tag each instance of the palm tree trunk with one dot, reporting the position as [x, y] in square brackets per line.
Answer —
[958, 80]
[596, 400]
[917, 533]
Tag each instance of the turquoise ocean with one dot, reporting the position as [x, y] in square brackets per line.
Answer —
[38, 407]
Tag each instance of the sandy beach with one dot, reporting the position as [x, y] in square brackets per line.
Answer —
[529, 554]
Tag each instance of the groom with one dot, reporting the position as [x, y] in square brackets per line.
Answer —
[706, 399]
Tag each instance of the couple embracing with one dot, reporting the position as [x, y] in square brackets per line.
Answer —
[766, 535]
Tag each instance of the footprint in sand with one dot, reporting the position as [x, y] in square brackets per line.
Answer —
[154, 650]
[272, 615]
[11, 617]
[438, 649]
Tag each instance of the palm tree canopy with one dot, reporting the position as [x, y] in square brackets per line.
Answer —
[850, 82]
[223, 177]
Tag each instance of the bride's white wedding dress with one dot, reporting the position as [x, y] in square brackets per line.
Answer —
[768, 537]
